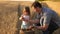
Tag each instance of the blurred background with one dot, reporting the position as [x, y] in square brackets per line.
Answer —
[10, 11]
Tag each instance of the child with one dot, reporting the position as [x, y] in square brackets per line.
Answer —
[25, 15]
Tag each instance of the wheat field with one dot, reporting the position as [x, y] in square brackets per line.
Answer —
[10, 12]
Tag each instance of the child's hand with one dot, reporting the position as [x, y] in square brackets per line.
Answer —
[21, 18]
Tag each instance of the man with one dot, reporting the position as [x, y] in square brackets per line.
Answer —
[47, 19]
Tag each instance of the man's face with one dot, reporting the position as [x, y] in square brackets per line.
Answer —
[37, 9]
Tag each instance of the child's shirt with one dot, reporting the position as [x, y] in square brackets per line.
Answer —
[25, 24]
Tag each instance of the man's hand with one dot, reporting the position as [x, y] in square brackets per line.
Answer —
[38, 27]
[30, 27]
[44, 27]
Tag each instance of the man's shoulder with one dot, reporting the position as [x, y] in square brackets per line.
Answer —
[48, 10]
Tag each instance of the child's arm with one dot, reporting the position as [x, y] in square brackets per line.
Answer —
[21, 18]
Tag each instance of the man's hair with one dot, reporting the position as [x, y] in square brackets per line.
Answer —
[36, 4]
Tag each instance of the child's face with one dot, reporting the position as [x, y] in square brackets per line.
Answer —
[25, 13]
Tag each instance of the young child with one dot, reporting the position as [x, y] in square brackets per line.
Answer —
[25, 15]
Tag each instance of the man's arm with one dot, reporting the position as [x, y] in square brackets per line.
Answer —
[46, 21]
[34, 21]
